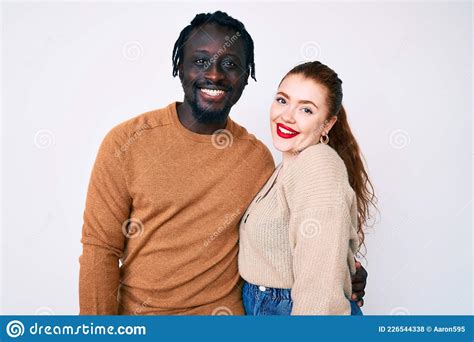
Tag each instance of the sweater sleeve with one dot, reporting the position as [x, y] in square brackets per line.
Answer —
[107, 208]
[319, 200]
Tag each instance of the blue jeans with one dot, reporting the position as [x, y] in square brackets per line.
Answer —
[259, 300]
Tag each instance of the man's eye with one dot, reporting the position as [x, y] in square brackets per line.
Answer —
[280, 100]
[200, 61]
[230, 64]
[307, 110]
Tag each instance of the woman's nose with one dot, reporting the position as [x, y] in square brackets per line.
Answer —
[288, 116]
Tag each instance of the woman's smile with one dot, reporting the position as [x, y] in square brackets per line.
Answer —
[286, 132]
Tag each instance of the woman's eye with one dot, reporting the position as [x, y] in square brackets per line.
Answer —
[307, 110]
[280, 100]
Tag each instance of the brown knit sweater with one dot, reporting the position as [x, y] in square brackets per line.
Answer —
[166, 203]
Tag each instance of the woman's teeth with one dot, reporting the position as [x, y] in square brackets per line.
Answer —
[212, 92]
[283, 130]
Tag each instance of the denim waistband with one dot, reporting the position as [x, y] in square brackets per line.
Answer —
[275, 293]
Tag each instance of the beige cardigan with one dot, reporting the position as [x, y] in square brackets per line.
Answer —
[300, 233]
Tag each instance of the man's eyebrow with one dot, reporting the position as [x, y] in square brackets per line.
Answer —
[227, 54]
[233, 55]
[201, 50]
[301, 101]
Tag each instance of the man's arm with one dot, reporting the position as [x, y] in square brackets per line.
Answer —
[359, 282]
[107, 209]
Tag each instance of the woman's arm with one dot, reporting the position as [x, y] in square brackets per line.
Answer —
[321, 229]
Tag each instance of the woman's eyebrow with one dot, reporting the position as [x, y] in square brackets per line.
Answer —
[310, 102]
[284, 94]
[301, 101]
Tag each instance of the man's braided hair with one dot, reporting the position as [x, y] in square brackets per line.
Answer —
[218, 18]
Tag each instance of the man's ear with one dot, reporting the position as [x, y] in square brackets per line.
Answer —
[180, 71]
[246, 78]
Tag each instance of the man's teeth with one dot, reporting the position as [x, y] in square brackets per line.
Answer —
[212, 92]
[285, 130]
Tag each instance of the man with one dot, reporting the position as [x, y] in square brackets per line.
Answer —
[169, 187]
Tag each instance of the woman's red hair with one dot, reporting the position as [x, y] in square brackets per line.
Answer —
[342, 140]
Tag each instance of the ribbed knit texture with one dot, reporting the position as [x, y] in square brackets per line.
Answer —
[300, 233]
[185, 194]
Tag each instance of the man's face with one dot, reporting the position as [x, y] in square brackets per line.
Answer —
[213, 72]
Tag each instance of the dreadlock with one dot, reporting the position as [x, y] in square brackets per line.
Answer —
[219, 18]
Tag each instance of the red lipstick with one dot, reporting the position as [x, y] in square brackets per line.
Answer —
[286, 132]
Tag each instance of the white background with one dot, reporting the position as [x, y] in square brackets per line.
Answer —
[72, 71]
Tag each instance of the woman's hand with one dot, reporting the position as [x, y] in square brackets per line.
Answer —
[359, 281]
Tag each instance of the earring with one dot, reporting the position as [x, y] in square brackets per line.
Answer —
[324, 139]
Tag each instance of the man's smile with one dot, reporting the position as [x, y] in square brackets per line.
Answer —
[212, 94]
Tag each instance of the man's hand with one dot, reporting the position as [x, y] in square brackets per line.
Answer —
[359, 281]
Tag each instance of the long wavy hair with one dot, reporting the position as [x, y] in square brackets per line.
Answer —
[342, 140]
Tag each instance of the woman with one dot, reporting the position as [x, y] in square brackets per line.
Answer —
[299, 236]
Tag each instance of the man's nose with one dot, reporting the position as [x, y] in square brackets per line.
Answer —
[213, 72]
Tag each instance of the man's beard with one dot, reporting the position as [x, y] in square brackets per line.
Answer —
[207, 115]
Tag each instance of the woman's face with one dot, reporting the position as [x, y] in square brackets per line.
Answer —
[298, 115]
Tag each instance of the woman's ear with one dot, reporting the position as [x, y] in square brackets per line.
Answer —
[330, 123]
